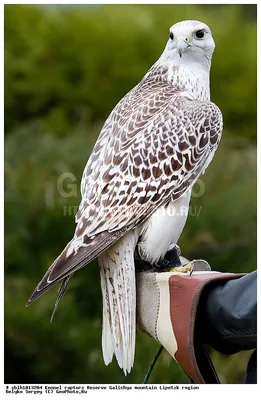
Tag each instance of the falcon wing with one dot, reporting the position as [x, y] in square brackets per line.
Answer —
[155, 153]
[152, 148]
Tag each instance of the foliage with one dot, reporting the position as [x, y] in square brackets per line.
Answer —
[65, 69]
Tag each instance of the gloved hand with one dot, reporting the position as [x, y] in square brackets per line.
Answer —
[167, 307]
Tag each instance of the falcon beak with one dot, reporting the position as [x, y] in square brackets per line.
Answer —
[182, 45]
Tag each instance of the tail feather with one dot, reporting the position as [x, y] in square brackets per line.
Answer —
[107, 340]
[119, 301]
[60, 295]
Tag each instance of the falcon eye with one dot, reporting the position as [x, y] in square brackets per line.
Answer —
[171, 35]
[200, 34]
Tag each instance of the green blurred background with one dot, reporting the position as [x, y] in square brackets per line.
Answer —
[65, 69]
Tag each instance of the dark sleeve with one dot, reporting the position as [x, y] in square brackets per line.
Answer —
[227, 315]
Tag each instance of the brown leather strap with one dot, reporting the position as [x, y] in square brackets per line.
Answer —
[184, 300]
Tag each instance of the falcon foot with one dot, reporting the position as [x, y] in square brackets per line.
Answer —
[183, 269]
[170, 260]
[169, 263]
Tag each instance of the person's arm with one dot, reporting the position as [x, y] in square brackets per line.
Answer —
[227, 319]
[227, 315]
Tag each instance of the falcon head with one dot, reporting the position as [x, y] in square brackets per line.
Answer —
[190, 41]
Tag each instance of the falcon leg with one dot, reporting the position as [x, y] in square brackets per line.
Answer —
[171, 262]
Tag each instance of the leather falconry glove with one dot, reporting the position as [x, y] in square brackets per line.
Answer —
[167, 306]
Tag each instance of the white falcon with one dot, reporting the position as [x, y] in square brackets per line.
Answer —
[152, 148]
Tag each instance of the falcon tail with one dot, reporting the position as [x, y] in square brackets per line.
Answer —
[70, 260]
[119, 302]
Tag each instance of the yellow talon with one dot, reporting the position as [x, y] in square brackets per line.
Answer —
[182, 269]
